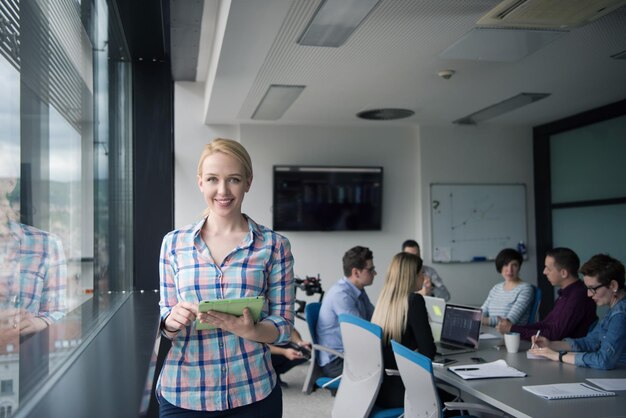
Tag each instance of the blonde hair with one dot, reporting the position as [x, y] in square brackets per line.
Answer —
[231, 148]
[228, 147]
[393, 304]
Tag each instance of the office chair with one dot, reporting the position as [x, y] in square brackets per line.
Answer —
[534, 313]
[363, 370]
[421, 398]
[314, 378]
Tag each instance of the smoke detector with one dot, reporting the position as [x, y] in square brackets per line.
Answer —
[446, 74]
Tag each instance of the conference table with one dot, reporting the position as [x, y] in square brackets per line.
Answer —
[506, 394]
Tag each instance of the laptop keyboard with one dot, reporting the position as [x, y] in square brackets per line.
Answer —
[449, 346]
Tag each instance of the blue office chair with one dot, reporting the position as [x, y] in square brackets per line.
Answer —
[363, 370]
[314, 378]
[421, 398]
[534, 313]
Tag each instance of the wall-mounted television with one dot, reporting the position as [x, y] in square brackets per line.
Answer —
[321, 198]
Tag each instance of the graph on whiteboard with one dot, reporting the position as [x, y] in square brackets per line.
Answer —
[473, 222]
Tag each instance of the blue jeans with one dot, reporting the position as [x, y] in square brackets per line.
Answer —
[270, 407]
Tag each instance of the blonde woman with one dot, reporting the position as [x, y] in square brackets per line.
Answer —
[401, 312]
[226, 371]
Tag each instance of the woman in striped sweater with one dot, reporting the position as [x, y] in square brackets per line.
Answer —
[511, 299]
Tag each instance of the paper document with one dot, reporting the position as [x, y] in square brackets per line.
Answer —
[567, 391]
[494, 369]
[610, 384]
[488, 336]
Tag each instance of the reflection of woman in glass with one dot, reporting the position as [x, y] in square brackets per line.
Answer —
[511, 299]
[225, 255]
[33, 271]
[33, 284]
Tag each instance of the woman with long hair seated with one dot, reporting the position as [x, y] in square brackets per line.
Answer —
[401, 312]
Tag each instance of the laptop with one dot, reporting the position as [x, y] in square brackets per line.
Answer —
[460, 330]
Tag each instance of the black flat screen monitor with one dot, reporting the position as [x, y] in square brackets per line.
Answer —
[317, 198]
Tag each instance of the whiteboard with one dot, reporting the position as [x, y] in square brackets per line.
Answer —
[473, 222]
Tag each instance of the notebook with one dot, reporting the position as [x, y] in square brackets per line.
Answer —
[498, 368]
[567, 391]
[460, 330]
[435, 308]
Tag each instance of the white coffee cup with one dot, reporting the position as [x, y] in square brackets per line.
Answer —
[511, 340]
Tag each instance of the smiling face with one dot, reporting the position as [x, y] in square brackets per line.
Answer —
[223, 183]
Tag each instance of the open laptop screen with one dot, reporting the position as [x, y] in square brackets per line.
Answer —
[461, 325]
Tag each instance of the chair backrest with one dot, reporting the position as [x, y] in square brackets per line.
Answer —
[314, 373]
[534, 313]
[362, 367]
[420, 398]
[312, 312]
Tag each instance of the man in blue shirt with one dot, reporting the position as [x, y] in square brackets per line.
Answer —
[346, 296]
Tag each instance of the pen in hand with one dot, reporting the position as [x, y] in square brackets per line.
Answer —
[535, 339]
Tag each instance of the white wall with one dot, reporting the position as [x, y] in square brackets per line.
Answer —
[190, 135]
[470, 154]
[395, 149]
[412, 158]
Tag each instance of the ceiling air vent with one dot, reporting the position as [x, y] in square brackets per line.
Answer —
[551, 14]
[385, 114]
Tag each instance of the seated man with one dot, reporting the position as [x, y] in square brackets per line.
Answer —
[433, 285]
[346, 296]
[573, 312]
[287, 356]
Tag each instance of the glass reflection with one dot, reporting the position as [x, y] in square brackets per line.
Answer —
[33, 289]
[9, 244]
[65, 184]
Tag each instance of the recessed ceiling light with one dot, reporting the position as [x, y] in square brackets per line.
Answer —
[385, 114]
[276, 101]
[334, 21]
[499, 45]
[498, 109]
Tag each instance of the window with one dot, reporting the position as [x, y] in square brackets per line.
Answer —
[580, 186]
[6, 387]
[65, 183]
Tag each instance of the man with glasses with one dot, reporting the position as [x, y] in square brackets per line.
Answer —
[347, 296]
[573, 312]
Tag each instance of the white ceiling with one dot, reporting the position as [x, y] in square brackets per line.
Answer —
[392, 60]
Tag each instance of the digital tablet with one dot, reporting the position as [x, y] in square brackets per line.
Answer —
[232, 307]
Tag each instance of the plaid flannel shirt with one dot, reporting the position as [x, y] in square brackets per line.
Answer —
[214, 370]
[41, 284]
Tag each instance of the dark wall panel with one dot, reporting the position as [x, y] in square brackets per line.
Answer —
[154, 167]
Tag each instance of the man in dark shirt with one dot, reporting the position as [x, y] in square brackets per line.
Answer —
[573, 312]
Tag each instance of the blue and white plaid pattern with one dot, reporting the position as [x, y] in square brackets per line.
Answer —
[215, 370]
